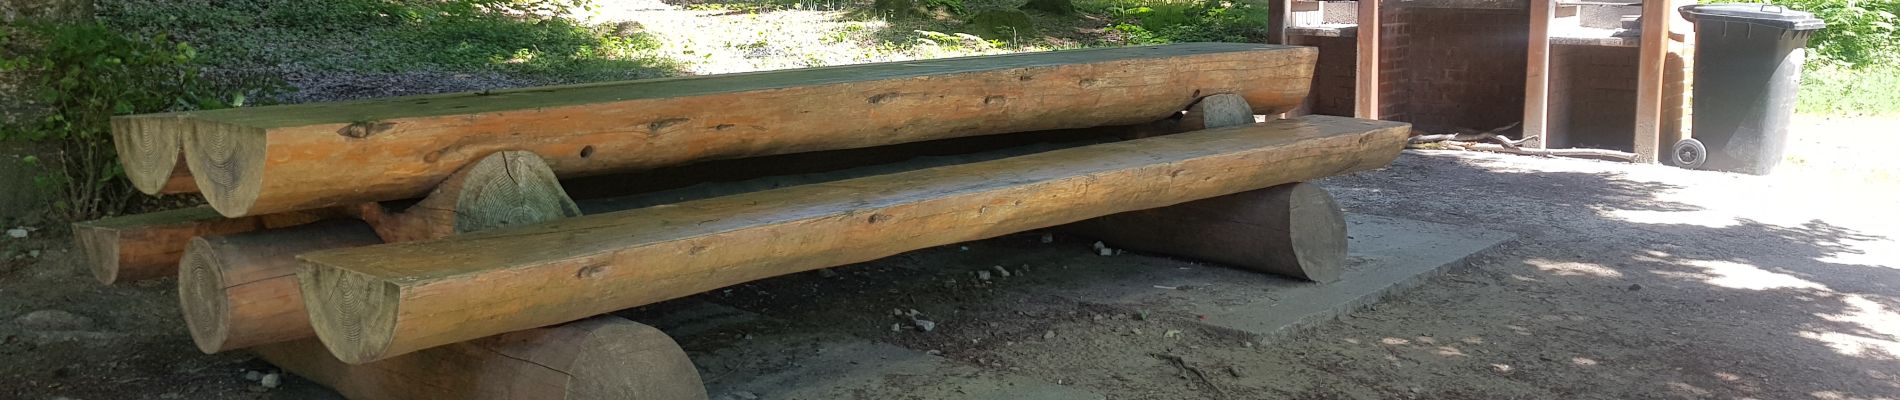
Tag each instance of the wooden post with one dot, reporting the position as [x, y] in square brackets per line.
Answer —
[1279, 13]
[1652, 47]
[1366, 92]
[376, 302]
[241, 290]
[1537, 76]
[1294, 230]
[604, 357]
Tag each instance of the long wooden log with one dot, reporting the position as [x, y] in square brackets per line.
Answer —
[604, 357]
[135, 247]
[241, 290]
[1294, 230]
[270, 159]
[375, 302]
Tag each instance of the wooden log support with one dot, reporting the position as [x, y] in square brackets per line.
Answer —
[376, 302]
[1294, 230]
[1652, 49]
[135, 247]
[1537, 78]
[604, 357]
[1365, 101]
[241, 290]
[260, 160]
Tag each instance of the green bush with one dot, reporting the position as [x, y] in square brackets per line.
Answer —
[78, 76]
[1859, 33]
[1163, 21]
[532, 36]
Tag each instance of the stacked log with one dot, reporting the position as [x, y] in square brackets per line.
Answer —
[262, 160]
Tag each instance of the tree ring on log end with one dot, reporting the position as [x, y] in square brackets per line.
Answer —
[201, 295]
[227, 163]
[148, 155]
[511, 188]
[617, 346]
[1318, 232]
[101, 248]
[352, 313]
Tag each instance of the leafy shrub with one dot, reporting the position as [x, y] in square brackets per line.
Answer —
[79, 76]
[1859, 32]
[1152, 21]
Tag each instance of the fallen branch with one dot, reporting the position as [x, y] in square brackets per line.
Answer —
[1196, 373]
[1471, 136]
[1578, 153]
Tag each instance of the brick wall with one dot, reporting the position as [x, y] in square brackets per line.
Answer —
[1594, 87]
[1333, 83]
[1459, 67]
[1395, 44]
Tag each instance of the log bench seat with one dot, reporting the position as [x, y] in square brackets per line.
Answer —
[429, 245]
[370, 303]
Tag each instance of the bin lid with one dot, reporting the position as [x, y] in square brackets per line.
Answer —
[1759, 14]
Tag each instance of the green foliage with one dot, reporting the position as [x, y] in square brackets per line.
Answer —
[1833, 90]
[1859, 32]
[529, 36]
[1164, 21]
[1003, 24]
[79, 75]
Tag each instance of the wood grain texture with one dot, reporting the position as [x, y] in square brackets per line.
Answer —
[1365, 100]
[269, 159]
[153, 158]
[376, 302]
[503, 189]
[604, 357]
[1537, 77]
[144, 246]
[240, 290]
[1294, 230]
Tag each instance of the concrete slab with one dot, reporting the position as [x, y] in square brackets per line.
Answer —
[1385, 254]
[742, 355]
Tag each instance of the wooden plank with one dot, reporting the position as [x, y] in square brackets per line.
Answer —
[1537, 76]
[1366, 91]
[603, 357]
[1652, 47]
[135, 247]
[270, 159]
[376, 302]
[1294, 230]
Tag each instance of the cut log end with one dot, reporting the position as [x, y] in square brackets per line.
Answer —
[1316, 239]
[628, 360]
[101, 249]
[352, 313]
[509, 188]
[227, 165]
[201, 296]
[150, 155]
[1218, 111]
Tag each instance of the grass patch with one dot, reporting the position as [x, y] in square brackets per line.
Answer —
[1839, 91]
[516, 36]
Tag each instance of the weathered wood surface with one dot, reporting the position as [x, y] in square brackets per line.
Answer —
[135, 247]
[604, 357]
[241, 290]
[376, 302]
[1294, 230]
[261, 160]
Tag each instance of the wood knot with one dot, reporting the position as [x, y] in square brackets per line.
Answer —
[880, 98]
[876, 218]
[363, 129]
[996, 100]
[591, 271]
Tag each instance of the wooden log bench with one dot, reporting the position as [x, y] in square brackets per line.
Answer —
[309, 256]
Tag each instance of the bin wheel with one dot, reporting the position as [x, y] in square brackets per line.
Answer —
[1689, 153]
